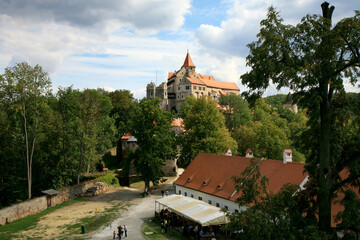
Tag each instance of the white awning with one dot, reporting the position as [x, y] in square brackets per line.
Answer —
[195, 210]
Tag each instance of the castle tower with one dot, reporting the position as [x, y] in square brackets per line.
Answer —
[150, 90]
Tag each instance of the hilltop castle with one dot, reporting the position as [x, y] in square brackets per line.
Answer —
[186, 82]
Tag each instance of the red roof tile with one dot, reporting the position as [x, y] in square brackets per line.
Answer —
[288, 150]
[188, 62]
[221, 168]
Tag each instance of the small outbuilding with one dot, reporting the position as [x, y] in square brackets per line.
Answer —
[50, 197]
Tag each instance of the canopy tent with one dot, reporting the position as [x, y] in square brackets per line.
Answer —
[194, 210]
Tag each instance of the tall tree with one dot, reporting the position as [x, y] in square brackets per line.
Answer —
[23, 88]
[122, 101]
[312, 59]
[205, 130]
[236, 111]
[155, 139]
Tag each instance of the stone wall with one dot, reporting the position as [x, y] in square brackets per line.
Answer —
[36, 205]
[22, 210]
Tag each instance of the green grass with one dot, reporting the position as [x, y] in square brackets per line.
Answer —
[154, 226]
[11, 230]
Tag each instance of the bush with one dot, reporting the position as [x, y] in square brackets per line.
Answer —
[109, 179]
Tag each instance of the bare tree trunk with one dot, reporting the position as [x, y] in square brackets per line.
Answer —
[81, 157]
[28, 164]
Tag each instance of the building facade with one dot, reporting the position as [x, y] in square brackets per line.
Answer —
[186, 82]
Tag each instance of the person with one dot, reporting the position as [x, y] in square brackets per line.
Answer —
[114, 235]
[125, 230]
[149, 192]
[162, 227]
[165, 225]
[119, 231]
[162, 193]
[167, 193]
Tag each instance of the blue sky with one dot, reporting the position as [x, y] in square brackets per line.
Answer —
[126, 44]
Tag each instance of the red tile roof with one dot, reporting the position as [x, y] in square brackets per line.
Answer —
[195, 81]
[211, 82]
[288, 150]
[170, 74]
[217, 171]
[126, 136]
[188, 62]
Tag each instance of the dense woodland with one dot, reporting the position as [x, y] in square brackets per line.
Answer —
[49, 139]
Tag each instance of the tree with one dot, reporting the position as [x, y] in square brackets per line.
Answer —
[236, 111]
[122, 101]
[312, 59]
[23, 87]
[205, 131]
[155, 139]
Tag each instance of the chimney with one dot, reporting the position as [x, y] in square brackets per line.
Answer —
[249, 153]
[228, 152]
[287, 156]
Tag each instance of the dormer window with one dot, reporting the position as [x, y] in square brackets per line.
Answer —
[189, 179]
[219, 187]
[204, 183]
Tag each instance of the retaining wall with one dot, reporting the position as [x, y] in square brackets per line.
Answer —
[36, 205]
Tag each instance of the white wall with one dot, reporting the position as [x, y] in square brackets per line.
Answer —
[232, 206]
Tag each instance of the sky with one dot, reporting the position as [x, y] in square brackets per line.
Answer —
[127, 44]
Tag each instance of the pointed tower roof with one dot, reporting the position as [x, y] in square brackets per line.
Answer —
[188, 62]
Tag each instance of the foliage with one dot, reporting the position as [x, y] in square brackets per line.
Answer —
[275, 100]
[235, 109]
[22, 88]
[205, 131]
[109, 179]
[155, 139]
[312, 59]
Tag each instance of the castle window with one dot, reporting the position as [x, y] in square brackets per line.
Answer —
[185, 194]
[210, 202]
[218, 204]
[194, 87]
[179, 192]
[187, 87]
[179, 88]
[236, 210]
[204, 88]
[200, 198]
[192, 196]
[151, 93]
[226, 207]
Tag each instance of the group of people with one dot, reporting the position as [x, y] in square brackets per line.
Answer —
[164, 193]
[121, 231]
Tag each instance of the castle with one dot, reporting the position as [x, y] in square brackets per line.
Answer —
[186, 82]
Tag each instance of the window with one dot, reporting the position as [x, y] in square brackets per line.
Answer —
[288, 154]
[200, 198]
[192, 196]
[236, 210]
[187, 87]
[151, 93]
[217, 204]
[179, 192]
[185, 193]
[204, 88]
[165, 93]
[179, 88]
[226, 207]
[209, 202]
[194, 87]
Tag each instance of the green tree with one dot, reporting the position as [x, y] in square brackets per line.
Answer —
[236, 111]
[155, 139]
[312, 59]
[23, 87]
[122, 112]
[205, 131]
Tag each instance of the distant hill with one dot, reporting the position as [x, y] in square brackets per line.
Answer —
[276, 100]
